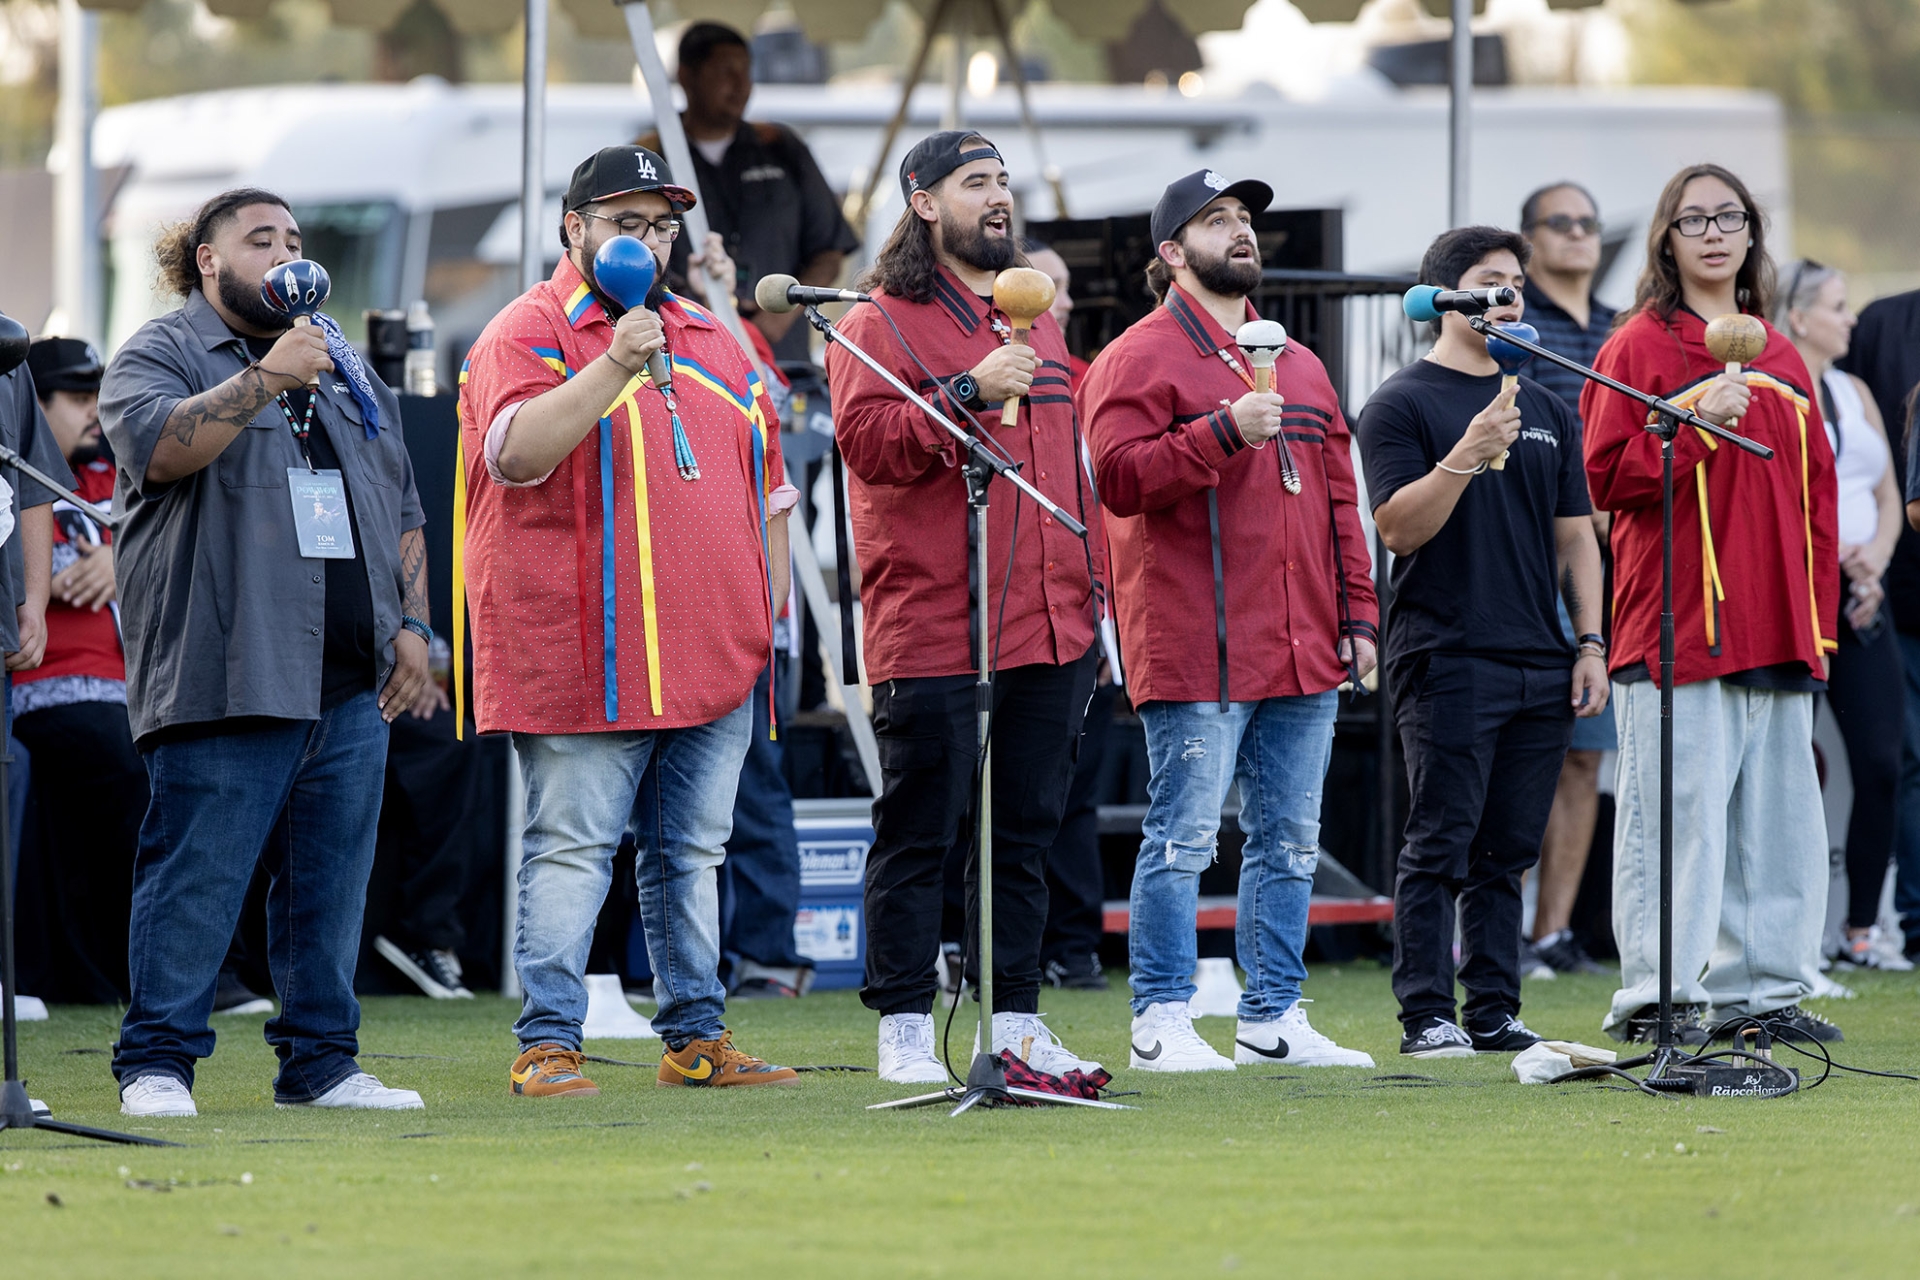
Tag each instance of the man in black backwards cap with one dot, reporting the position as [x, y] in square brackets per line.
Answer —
[911, 520]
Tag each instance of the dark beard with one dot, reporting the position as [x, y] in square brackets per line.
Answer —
[1226, 276]
[243, 300]
[973, 246]
[84, 452]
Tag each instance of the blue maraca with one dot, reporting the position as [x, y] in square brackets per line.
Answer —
[626, 270]
[1510, 359]
[297, 289]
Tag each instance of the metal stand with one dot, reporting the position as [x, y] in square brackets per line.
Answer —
[1665, 422]
[986, 1080]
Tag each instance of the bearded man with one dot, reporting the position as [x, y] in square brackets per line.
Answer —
[1243, 593]
[911, 520]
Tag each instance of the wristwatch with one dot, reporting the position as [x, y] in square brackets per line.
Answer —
[965, 388]
[1598, 642]
[416, 626]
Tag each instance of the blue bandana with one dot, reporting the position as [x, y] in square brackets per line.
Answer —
[347, 361]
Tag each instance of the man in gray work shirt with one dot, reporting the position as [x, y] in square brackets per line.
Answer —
[272, 577]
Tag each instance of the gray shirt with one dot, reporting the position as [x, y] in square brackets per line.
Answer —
[221, 615]
[24, 429]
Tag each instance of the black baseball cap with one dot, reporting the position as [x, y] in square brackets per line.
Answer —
[934, 157]
[1189, 195]
[64, 364]
[621, 171]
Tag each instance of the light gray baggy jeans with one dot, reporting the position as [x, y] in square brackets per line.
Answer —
[1749, 850]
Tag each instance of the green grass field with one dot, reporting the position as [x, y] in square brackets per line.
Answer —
[1323, 1173]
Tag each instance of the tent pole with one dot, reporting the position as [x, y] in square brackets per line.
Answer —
[1460, 114]
[857, 214]
[1048, 170]
[533, 145]
[76, 224]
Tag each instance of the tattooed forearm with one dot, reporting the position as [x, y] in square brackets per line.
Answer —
[1569, 592]
[233, 403]
[413, 574]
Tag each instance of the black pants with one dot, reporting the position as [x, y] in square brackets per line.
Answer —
[90, 792]
[432, 791]
[1075, 883]
[1484, 741]
[1867, 690]
[927, 735]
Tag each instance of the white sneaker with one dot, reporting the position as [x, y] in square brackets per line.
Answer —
[1291, 1042]
[361, 1092]
[906, 1050]
[1163, 1039]
[1034, 1043]
[156, 1095]
[1216, 990]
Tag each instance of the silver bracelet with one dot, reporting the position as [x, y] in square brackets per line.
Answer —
[1455, 471]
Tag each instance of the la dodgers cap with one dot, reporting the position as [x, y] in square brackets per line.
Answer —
[621, 171]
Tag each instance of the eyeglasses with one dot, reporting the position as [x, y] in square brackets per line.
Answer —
[1695, 224]
[1564, 223]
[632, 224]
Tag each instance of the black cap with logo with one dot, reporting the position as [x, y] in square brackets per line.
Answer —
[621, 171]
[1189, 195]
[933, 158]
[64, 364]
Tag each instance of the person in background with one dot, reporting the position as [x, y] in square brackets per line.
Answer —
[1865, 682]
[1048, 262]
[1562, 223]
[71, 710]
[263, 666]
[1486, 686]
[1752, 632]
[1885, 355]
[762, 190]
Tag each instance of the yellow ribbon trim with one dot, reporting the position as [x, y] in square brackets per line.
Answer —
[643, 532]
[459, 599]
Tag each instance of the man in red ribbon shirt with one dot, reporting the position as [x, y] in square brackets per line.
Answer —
[622, 607]
[1244, 598]
[911, 525]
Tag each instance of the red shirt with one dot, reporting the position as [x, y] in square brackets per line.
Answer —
[1756, 576]
[81, 642]
[674, 631]
[909, 498]
[1173, 467]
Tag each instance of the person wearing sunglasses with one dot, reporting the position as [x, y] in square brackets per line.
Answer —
[1756, 578]
[1562, 223]
[1866, 672]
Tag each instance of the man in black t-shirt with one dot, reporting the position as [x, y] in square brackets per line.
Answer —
[1485, 689]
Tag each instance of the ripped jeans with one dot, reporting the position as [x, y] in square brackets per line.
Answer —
[1278, 750]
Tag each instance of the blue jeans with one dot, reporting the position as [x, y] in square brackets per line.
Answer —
[1278, 750]
[673, 790]
[302, 797]
[1906, 845]
[760, 883]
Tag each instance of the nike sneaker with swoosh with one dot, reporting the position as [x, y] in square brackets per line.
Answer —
[549, 1071]
[717, 1064]
[1163, 1039]
[1291, 1041]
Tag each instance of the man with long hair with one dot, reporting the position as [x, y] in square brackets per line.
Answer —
[934, 279]
[264, 658]
[1756, 582]
[1245, 597]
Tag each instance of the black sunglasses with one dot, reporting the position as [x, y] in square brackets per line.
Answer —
[1564, 223]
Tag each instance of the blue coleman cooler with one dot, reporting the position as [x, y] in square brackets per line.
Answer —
[830, 927]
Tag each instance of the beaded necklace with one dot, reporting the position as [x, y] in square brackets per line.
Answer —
[301, 427]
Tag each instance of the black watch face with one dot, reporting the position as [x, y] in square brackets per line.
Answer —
[965, 387]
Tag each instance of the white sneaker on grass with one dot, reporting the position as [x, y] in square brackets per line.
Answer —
[1290, 1041]
[1034, 1043]
[361, 1092]
[1163, 1039]
[906, 1050]
[156, 1096]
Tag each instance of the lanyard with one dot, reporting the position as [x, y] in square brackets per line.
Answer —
[1289, 475]
[301, 427]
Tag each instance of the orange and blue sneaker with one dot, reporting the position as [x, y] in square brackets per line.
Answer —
[717, 1064]
[549, 1071]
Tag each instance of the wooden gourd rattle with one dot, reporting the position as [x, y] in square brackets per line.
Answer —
[1735, 340]
[1510, 359]
[1025, 295]
[1261, 342]
[297, 289]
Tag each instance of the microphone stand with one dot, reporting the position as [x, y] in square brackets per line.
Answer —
[1665, 421]
[16, 1109]
[986, 1078]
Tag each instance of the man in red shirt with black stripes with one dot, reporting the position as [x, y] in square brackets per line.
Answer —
[911, 524]
[1244, 597]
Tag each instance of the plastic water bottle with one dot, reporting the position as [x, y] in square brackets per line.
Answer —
[421, 356]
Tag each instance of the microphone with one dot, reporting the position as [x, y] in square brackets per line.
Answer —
[1425, 302]
[625, 268]
[783, 293]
